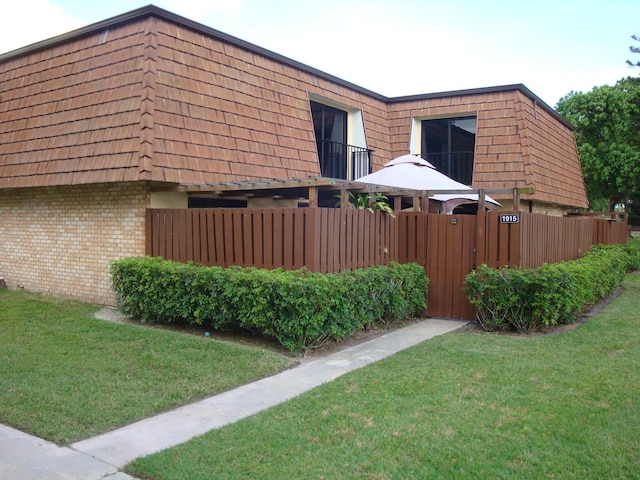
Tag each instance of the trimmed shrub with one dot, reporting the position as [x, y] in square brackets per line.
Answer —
[531, 299]
[301, 309]
[632, 250]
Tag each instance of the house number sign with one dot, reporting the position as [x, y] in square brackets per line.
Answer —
[510, 218]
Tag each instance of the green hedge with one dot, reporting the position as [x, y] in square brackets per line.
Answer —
[299, 308]
[530, 299]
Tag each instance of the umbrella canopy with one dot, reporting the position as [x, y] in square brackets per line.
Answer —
[409, 171]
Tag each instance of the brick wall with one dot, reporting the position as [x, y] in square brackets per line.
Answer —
[60, 240]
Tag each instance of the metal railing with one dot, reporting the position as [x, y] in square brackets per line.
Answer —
[339, 160]
[456, 165]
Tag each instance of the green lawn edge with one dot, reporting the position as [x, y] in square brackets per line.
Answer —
[67, 376]
[464, 405]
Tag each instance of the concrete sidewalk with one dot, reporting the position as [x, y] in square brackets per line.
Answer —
[26, 457]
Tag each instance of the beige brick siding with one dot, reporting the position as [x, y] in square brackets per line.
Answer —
[61, 240]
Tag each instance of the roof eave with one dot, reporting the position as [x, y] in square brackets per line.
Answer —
[152, 10]
[483, 91]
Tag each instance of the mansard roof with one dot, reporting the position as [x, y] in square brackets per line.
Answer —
[150, 95]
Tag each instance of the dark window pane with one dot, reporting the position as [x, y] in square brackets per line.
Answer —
[449, 145]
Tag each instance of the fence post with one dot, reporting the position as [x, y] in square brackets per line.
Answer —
[149, 231]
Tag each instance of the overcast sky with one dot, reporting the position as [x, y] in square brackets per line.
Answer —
[396, 47]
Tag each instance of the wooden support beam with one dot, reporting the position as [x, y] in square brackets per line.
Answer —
[397, 204]
[313, 197]
[424, 203]
[344, 198]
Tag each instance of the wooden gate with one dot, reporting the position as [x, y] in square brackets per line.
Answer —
[445, 246]
[449, 247]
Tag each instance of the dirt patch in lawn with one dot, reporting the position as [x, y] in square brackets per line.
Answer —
[244, 337]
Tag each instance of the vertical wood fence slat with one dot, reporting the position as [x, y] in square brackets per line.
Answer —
[247, 238]
[210, 243]
[176, 227]
[298, 238]
[288, 239]
[161, 231]
[221, 258]
[470, 254]
[456, 249]
[237, 244]
[326, 236]
[200, 238]
[149, 236]
[227, 225]
[311, 257]
[440, 262]
[348, 223]
[187, 236]
[267, 235]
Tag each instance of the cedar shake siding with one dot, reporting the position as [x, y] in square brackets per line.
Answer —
[149, 99]
[71, 114]
[224, 113]
[151, 96]
[519, 142]
[549, 154]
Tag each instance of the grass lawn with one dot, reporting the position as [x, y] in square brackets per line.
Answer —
[466, 405]
[67, 376]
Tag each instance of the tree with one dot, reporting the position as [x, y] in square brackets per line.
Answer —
[607, 121]
[634, 209]
[633, 49]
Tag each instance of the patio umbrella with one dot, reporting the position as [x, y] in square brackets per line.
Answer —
[409, 171]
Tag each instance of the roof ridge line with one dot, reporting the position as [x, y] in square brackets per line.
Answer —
[147, 101]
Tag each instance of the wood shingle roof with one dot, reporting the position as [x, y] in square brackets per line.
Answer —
[149, 95]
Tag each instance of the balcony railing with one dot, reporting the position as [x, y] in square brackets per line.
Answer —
[339, 160]
[456, 165]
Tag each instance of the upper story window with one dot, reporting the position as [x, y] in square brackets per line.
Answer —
[449, 145]
[333, 129]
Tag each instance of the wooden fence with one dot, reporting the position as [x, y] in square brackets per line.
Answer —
[449, 247]
[545, 239]
[609, 232]
[330, 240]
[320, 239]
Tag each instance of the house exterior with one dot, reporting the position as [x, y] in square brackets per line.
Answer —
[101, 123]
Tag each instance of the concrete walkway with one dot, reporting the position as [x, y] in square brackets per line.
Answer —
[27, 458]
[24, 457]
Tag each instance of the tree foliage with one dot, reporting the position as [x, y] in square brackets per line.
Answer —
[607, 121]
[634, 209]
[634, 49]
[362, 201]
